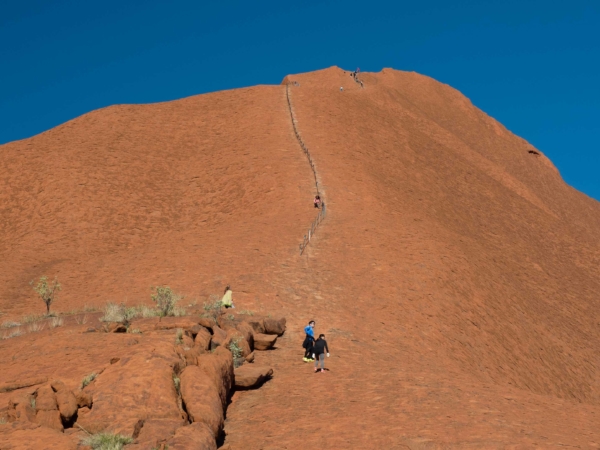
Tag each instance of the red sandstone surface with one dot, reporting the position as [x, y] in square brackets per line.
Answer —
[456, 275]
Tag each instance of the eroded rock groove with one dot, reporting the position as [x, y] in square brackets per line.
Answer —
[322, 211]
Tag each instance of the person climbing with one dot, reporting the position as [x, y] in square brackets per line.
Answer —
[341, 89]
[317, 201]
[227, 300]
[319, 352]
[309, 341]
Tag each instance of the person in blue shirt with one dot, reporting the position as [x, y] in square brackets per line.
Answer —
[309, 341]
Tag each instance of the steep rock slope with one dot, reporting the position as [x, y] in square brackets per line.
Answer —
[447, 215]
[194, 193]
[455, 275]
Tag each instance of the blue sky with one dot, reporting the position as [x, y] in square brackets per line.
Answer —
[533, 65]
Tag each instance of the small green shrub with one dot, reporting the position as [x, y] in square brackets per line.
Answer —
[48, 292]
[2, 421]
[56, 322]
[178, 336]
[10, 324]
[166, 300]
[88, 379]
[107, 441]
[236, 351]
[246, 312]
[32, 402]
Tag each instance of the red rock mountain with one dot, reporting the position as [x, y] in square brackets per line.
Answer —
[456, 275]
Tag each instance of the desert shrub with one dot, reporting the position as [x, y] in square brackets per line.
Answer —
[35, 327]
[236, 351]
[88, 379]
[246, 312]
[48, 292]
[119, 313]
[30, 318]
[13, 334]
[177, 383]
[113, 313]
[145, 311]
[134, 331]
[166, 300]
[2, 421]
[32, 402]
[56, 322]
[81, 320]
[10, 324]
[178, 336]
[179, 311]
[107, 441]
[212, 308]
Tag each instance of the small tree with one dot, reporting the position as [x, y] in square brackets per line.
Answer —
[47, 291]
[165, 300]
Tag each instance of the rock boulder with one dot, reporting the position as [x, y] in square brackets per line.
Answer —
[203, 339]
[248, 333]
[264, 341]
[274, 326]
[219, 367]
[201, 398]
[251, 376]
[197, 436]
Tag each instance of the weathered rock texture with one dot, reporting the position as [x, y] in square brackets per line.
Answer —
[264, 341]
[138, 387]
[455, 276]
[201, 397]
[251, 376]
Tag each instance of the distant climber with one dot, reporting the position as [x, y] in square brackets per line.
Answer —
[341, 88]
[317, 201]
[319, 352]
[309, 341]
[227, 300]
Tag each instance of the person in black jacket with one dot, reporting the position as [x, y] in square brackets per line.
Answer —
[319, 350]
[309, 341]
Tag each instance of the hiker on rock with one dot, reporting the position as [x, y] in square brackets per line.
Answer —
[309, 341]
[227, 300]
[319, 352]
[317, 201]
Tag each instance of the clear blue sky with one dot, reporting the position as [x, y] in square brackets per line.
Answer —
[533, 65]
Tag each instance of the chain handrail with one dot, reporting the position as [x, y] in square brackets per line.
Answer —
[358, 80]
[322, 211]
